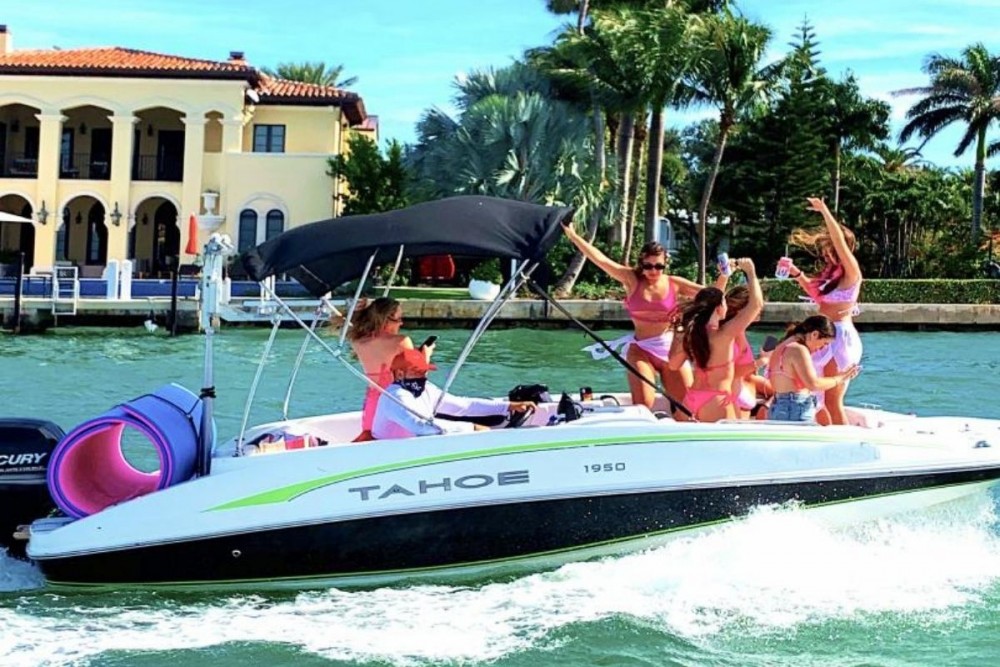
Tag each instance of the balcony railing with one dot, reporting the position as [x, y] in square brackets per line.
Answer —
[19, 165]
[85, 166]
[157, 168]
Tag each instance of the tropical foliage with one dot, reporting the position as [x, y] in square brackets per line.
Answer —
[373, 182]
[584, 121]
[962, 90]
[312, 72]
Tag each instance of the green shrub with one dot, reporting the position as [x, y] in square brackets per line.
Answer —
[488, 270]
[901, 291]
[872, 291]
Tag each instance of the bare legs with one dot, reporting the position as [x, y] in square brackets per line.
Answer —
[834, 397]
[675, 383]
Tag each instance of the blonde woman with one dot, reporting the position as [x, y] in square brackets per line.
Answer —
[835, 291]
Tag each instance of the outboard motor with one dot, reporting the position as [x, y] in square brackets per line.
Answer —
[25, 449]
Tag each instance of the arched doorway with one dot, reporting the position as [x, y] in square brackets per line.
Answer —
[154, 239]
[166, 238]
[17, 237]
[82, 237]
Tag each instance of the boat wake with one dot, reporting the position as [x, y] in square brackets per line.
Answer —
[778, 570]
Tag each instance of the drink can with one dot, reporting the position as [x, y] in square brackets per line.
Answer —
[781, 272]
[724, 267]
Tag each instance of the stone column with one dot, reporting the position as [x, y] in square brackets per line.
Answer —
[122, 140]
[194, 164]
[49, 145]
[232, 143]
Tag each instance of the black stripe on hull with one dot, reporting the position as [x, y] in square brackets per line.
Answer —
[464, 536]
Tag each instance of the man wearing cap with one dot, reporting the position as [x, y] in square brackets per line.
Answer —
[410, 395]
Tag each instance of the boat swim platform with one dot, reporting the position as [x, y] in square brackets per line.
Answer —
[40, 314]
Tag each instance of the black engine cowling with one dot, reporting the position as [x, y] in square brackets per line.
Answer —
[25, 449]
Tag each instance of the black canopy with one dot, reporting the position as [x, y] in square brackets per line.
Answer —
[323, 255]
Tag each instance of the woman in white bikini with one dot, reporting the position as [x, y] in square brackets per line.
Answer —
[835, 290]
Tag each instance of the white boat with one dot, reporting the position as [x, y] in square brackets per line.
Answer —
[297, 503]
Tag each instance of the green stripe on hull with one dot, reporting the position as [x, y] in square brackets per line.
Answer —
[292, 491]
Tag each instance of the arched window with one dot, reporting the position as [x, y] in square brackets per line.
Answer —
[275, 224]
[248, 229]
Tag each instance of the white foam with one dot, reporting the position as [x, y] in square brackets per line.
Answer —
[776, 570]
[17, 575]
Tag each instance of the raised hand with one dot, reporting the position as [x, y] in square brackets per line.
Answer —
[746, 265]
[818, 205]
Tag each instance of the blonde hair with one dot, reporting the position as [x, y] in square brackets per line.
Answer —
[815, 240]
[370, 320]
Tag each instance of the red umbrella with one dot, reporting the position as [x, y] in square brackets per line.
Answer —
[192, 245]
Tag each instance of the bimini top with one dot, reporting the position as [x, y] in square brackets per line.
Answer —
[324, 255]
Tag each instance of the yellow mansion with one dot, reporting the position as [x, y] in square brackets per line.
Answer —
[109, 151]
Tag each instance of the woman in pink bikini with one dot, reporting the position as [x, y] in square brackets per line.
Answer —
[375, 338]
[710, 342]
[744, 361]
[835, 290]
[793, 374]
[651, 302]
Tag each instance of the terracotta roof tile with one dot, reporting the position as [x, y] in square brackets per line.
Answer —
[283, 91]
[117, 60]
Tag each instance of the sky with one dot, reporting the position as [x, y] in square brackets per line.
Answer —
[407, 53]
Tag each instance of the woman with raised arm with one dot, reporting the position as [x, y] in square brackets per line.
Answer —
[793, 374]
[375, 338]
[835, 290]
[651, 302]
[710, 342]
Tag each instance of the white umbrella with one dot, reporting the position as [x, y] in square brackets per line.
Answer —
[10, 217]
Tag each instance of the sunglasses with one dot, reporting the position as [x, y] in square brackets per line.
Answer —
[646, 266]
[397, 320]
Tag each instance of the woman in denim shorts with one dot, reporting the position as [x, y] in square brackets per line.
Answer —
[793, 375]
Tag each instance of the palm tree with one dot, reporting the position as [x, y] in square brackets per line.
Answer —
[510, 140]
[727, 73]
[312, 72]
[855, 121]
[966, 90]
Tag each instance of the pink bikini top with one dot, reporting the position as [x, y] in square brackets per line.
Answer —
[661, 310]
[778, 368]
[743, 355]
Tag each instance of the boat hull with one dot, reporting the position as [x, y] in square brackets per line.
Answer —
[488, 539]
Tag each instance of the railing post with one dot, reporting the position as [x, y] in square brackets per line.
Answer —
[18, 283]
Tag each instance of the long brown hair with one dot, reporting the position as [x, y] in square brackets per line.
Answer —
[736, 300]
[818, 323]
[694, 321]
[371, 319]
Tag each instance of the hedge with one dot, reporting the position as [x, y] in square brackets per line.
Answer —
[901, 291]
[872, 291]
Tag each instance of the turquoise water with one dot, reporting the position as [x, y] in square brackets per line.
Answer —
[775, 589]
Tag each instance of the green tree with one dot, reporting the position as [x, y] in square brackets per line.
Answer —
[728, 74]
[961, 90]
[509, 140]
[312, 72]
[375, 182]
[855, 122]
